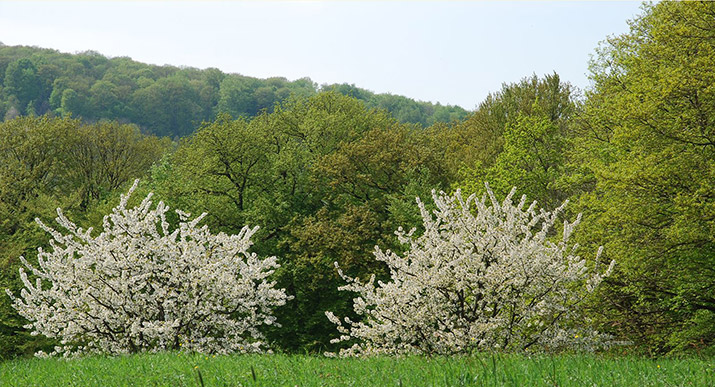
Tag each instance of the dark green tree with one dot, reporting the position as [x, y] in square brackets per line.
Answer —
[21, 80]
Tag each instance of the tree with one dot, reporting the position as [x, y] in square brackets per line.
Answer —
[236, 96]
[31, 166]
[100, 158]
[32, 182]
[321, 177]
[104, 102]
[168, 107]
[141, 286]
[647, 151]
[22, 81]
[533, 157]
[72, 102]
[519, 137]
[484, 275]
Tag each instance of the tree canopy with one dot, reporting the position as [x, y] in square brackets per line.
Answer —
[164, 100]
[647, 144]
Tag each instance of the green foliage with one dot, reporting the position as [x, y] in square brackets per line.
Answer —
[325, 179]
[524, 130]
[100, 158]
[166, 100]
[404, 109]
[21, 81]
[648, 151]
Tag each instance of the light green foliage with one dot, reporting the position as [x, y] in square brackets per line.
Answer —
[99, 158]
[648, 145]
[521, 136]
[405, 110]
[30, 166]
[31, 185]
[223, 168]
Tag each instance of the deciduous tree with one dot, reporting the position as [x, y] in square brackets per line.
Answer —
[483, 275]
[142, 285]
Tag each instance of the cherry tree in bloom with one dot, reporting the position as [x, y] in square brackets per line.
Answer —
[483, 275]
[141, 285]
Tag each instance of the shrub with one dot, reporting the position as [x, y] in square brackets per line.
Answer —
[142, 286]
[484, 275]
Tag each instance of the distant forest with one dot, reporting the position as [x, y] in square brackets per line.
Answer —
[164, 100]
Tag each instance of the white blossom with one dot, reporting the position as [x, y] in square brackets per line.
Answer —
[142, 286]
[484, 275]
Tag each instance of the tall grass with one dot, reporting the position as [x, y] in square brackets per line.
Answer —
[181, 369]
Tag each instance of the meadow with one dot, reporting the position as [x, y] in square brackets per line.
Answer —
[187, 369]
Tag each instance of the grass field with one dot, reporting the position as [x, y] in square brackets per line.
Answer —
[174, 369]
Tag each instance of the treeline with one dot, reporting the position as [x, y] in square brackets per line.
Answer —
[327, 178]
[163, 100]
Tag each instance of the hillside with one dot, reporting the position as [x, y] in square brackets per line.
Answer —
[163, 100]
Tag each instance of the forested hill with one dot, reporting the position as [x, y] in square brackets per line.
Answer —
[163, 100]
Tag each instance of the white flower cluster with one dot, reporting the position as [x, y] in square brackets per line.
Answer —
[141, 286]
[484, 275]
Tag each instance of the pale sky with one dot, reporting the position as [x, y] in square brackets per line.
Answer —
[452, 52]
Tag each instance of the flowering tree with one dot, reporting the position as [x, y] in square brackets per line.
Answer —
[141, 286]
[483, 275]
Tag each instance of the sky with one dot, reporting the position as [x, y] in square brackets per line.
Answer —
[451, 52]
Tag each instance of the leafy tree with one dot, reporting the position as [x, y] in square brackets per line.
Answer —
[21, 80]
[224, 165]
[31, 183]
[363, 185]
[100, 158]
[71, 102]
[525, 131]
[30, 164]
[322, 176]
[236, 97]
[105, 101]
[259, 170]
[648, 144]
[167, 107]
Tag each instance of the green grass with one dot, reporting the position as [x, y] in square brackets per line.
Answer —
[173, 369]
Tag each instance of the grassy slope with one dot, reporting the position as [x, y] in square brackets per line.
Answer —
[172, 369]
